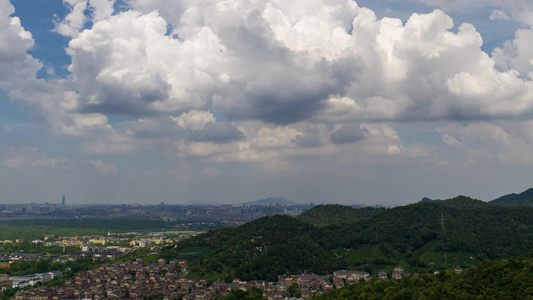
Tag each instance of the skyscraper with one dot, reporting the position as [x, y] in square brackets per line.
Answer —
[63, 200]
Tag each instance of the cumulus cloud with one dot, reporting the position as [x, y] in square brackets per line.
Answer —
[220, 132]
[14, 42]
[381, 69]
[103, 168]
[350, 133]
[517, 54]
[81, 12]
[194, 120]
[284, 79]
[479, 142]
[149, 128]
[498, 15]
[519, 10]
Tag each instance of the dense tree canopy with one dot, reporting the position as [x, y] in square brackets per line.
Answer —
[425, 236]
[500, 279]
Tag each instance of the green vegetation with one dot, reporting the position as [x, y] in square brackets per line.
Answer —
[37, 229]
[261, 249]
[69, 268]
[336, 213]
[422, 237]
[28, 247]
[523, 199]
[8, 294]
[500, 279]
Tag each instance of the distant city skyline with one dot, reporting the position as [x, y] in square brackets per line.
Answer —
[210, 101]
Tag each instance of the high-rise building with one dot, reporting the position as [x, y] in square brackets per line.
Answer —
[63, 200]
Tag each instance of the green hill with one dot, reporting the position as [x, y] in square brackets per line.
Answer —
[422, 237]
[523, 199]
[261, 249]
[483, 230]
[501, 279]
[336, 213]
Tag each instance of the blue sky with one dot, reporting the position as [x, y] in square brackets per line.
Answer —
[367, 102]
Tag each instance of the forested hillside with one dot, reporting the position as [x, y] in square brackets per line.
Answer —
[523, 199]
[500, 279]
[261, 249]
[422, 237]
[336, 213]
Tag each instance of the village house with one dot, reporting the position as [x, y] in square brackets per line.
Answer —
[396, 275]
[383, 276]
[350, 275]
[399, 269]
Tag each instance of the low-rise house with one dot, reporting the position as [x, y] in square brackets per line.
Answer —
[399, 269]
[396, 275]
[383, 276]
[350, 275]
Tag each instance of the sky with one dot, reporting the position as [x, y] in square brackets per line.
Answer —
[227, 101]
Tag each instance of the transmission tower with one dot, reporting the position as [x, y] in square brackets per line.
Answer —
[442, 227]
[443, 233]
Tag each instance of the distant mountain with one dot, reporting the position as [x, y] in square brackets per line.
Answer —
[272, 200]
[426, 199]
[523, 199]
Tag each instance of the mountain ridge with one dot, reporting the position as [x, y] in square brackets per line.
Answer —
[417, 235]
[522, 199]
[271, 200]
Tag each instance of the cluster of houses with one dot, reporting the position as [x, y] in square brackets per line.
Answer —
[140, 240]
[133, 280]
[121, 280]
[12, 256]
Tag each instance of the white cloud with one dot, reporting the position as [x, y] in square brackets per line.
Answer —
[498, 15]
[520, 10]
[479, 142]
[75, 19]
[81, 12]
[327, 62]
[15, 64]
[279, 137]
[127, 64]
[194, 120]
[103, 168]
[288, 80]
[517, 54]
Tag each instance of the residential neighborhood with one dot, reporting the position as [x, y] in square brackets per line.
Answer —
[132, 280]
